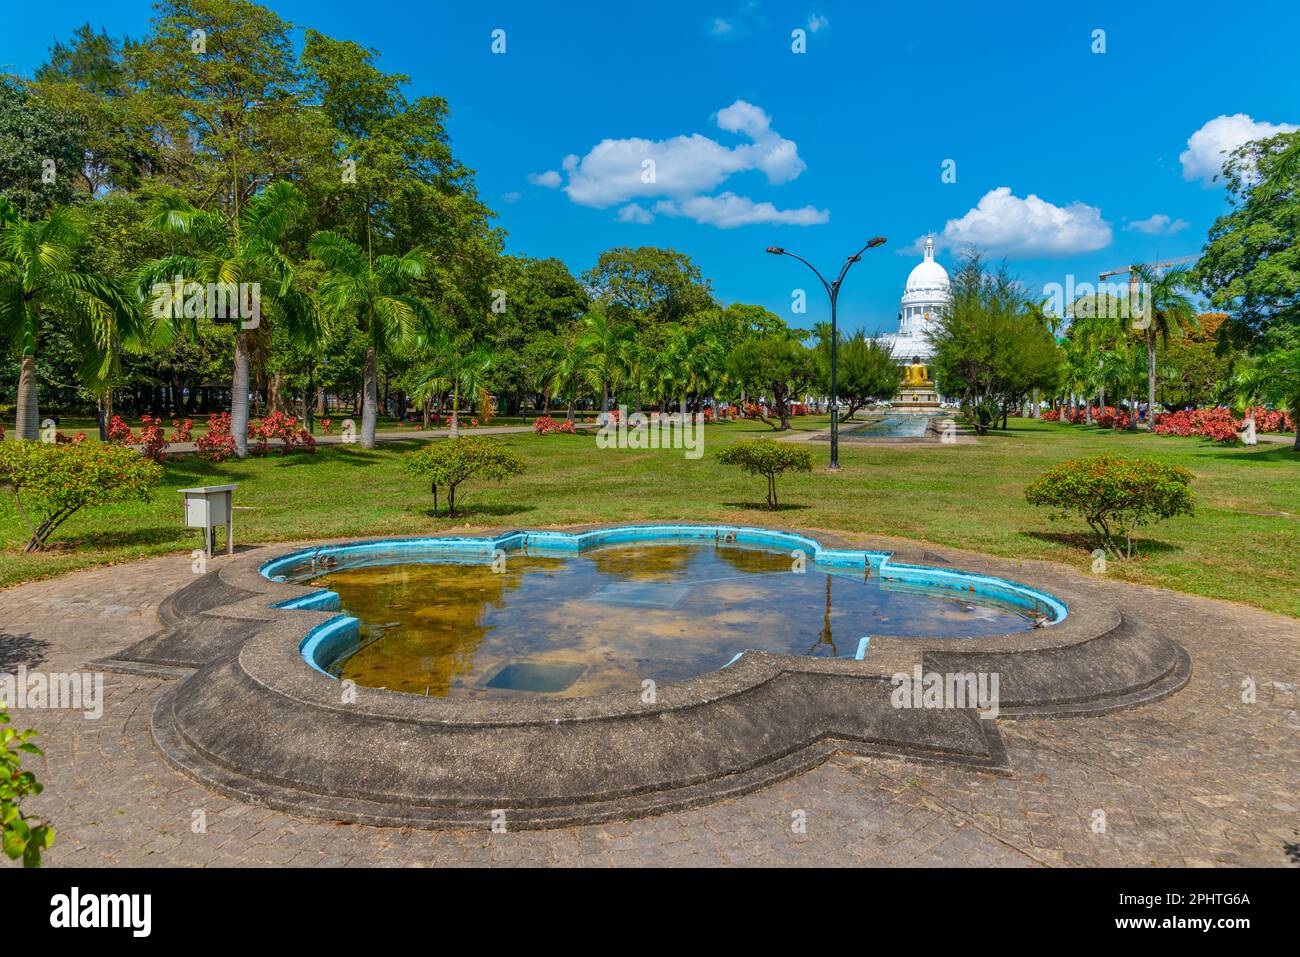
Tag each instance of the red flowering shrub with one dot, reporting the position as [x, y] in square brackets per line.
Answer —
[119, 433]
[283, 427]
[326, 426]
[545, 425]
[153, 439]
[61, 438]
[1219, 424]
[217, 444]
[182, 431]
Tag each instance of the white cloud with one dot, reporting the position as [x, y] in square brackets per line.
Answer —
[720, 27]
[615, 171]
[550, 179]
[679, 171]
[511, 197]
[727, 211]
[817, 21]
[634, 213]
[1157, 225]
[1208, 147]
[1003, 224]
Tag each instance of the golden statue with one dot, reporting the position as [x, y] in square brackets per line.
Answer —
[918, 376]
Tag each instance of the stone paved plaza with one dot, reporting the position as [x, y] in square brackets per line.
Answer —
[1199, 778]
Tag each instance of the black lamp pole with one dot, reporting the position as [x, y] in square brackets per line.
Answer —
[833, 290]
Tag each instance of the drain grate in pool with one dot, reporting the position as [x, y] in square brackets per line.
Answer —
[541, 676]
[640, 594]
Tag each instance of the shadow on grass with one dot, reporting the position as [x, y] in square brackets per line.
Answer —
[158, 535]
[1085, 543]
[1272, 453]
[471, 510]
[764, 507]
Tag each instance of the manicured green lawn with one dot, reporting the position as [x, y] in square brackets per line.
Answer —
[967, 496]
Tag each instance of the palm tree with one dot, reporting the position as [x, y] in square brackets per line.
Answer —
[1275, 379]
[246, 247]
[458, 366]
[601, 342]
[1167, 310]
[39, 275]
[568, 374]
[375, 291]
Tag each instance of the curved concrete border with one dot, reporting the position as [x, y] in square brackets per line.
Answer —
[256, 722]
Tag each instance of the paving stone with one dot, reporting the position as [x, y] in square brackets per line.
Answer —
[1199, 778]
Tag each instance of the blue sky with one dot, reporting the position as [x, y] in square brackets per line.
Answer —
[1066, 161]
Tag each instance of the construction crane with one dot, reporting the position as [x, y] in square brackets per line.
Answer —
[1133, 279]
[1132, 270]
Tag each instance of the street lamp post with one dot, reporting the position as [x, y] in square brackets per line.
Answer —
[833, 290]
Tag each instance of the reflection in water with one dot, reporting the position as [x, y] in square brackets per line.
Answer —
[610, 618]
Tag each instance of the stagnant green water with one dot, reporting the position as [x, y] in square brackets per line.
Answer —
[610, 618]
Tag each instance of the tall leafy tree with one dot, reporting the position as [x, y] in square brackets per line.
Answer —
[866, 369]
[40, 150]
[778, 367]
[1250, 266]
[990, 347]
[40, 278]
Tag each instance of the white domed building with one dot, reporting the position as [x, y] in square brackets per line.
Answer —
[924, 296]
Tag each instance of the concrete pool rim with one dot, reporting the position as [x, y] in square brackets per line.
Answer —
[254, 721]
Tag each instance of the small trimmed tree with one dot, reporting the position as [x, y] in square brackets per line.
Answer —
[1114, 495]
[51, 482]
[767, 458]
[451, 462]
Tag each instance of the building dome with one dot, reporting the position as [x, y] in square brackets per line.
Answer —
[928, 281]
[924, 297]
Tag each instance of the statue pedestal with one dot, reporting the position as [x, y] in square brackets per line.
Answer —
[918, 393]
[920, 398]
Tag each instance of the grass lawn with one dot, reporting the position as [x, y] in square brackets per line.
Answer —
[1237, 546]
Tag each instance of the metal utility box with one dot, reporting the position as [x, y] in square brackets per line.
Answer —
[209, 507]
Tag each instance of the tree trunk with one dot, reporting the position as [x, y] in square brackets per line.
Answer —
[239, 395]
[455, 420]
[27, 424]
[275, 393]
[569, 414]
[1151, 380]
[1133, 413]
[370, 401]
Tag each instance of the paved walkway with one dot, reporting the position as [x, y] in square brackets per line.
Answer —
[1201, 778]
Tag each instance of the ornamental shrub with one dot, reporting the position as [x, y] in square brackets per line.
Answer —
[545, 425]
[20, 835]
[451, 462]
[217, 444]
[768, 458]
[1114, 495]
[50, 483]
